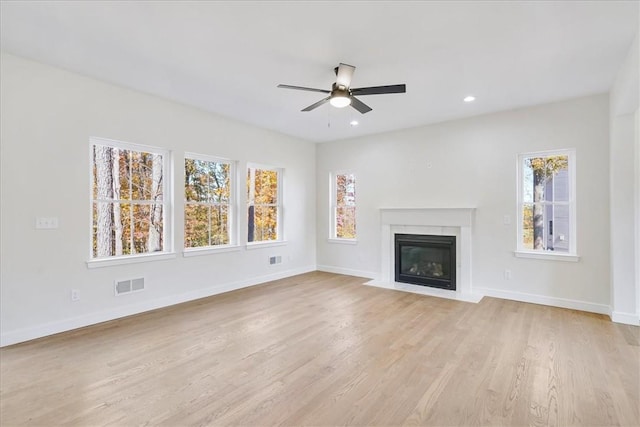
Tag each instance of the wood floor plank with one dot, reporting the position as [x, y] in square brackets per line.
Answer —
[321, 349]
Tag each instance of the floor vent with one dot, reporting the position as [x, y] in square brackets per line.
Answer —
[130, 285]
[275, 260]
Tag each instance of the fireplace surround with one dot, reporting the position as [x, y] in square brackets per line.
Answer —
[456, 222]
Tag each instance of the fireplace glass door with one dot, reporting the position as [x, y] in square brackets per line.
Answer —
[426, 260]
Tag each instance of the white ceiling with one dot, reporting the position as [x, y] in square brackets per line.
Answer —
[228, 57]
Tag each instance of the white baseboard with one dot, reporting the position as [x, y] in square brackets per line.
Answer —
[626, 318]
[26, 334]
[545, 300]
[348, 271]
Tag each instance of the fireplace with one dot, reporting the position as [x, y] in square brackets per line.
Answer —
[426, 260]
[436, 221]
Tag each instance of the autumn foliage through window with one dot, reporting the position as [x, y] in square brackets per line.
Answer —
[345, 206]
[208, 206]
[547, 203]
[128, 205]
[263, 202]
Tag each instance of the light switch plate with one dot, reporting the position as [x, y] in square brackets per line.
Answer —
[46, 223]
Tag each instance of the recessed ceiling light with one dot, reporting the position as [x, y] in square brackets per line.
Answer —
[469, 98]
[353, 123]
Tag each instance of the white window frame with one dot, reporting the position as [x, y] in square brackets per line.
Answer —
[232, 215]
[521, 251]
[279, 205]
[167, 206]
[333, 208]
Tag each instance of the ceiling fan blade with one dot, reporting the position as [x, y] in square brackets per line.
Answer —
[344, 74]
[359, 105]
[310, 89]
[317, 104]
[379, 90]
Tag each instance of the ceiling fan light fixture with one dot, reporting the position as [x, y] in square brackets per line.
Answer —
[341, 94]
[340, 101]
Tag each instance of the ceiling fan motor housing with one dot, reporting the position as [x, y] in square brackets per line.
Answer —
[340, 91]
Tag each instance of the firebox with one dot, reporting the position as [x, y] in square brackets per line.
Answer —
[426, 260]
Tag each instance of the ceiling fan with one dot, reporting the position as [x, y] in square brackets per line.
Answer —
[341, 93]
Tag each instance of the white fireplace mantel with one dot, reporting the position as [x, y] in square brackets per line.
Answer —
[442, 217]
[456, 222]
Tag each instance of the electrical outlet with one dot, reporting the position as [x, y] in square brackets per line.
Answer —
[506, 220]
[75, 295]
[507, 275]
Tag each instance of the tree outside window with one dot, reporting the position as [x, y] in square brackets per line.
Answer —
[264, 204]
[546, 200]
[208, 201]
[129, 199]
[344, 206]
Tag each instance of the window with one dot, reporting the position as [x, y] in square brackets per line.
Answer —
[343, 206]
[130, 199]
[264, 203]
[208, 206]
[546, 203]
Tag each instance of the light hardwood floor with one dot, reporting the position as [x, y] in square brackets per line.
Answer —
[322, 349]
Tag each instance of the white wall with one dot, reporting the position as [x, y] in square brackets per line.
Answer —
[624, 258]
[637, 212]
[625, 191]
[473, 164]
[47, 118]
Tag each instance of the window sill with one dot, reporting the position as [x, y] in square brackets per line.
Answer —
[210, 250]
[342, 241]
[267, 244]
[132, 259]
[547, 256]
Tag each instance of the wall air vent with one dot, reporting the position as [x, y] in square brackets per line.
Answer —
[137, 284]
[128, 286]
[275, 260]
